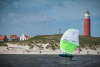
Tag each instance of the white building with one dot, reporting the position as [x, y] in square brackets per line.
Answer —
[22, 37]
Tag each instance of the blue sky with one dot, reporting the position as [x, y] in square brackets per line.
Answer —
[43, 17]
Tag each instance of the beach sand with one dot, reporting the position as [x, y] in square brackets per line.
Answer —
[17, 49]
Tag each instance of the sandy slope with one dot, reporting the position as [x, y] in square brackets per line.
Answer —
[16, 49]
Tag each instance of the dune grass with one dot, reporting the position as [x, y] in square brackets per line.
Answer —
[53, 42]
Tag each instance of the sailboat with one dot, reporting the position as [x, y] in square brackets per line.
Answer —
[69, 42]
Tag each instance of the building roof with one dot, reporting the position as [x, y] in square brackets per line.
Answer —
[2, 37]
[27, 36]
[13, 36]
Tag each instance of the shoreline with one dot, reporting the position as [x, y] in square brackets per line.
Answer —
[46, 54]
[17, 49]
[49, 52]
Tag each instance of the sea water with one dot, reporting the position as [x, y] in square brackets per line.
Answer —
[22, 60]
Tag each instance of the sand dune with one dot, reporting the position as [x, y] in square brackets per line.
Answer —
[17, 49]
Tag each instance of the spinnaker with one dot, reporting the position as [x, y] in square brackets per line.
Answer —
[69, 41]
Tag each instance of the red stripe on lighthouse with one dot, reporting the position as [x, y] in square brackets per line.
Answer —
[87, 27]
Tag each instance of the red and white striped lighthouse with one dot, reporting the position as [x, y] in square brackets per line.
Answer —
[87, 31]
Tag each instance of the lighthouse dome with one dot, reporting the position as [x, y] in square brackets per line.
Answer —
[87, 14]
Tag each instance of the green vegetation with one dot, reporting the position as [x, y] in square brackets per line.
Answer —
[3, 44]
[89, 42]
[54, 40]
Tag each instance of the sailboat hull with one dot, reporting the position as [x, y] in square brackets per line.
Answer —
[66, 55]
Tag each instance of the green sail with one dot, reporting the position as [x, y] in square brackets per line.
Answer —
[69, 41]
